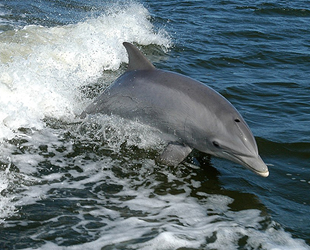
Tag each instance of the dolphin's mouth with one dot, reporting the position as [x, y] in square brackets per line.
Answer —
[254, 164]
[263, 174]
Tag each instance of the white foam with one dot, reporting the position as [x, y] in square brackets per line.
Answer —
[181, 222]
[7, 207]
[42, 68]
[136, 216]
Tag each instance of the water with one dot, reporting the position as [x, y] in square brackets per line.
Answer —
[95, 185]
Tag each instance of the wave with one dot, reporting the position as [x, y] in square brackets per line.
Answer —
[43, 68]
[67, 189]
[278, 9]
[300, 150]
[284, 11]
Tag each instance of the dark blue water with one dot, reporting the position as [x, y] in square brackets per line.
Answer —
[95, 185]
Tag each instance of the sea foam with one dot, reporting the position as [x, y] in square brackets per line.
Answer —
[43, 68]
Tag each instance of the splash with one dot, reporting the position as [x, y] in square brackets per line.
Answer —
[42, 68]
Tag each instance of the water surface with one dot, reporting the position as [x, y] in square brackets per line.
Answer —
[95, 184]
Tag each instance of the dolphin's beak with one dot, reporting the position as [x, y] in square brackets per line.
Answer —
[255, 164]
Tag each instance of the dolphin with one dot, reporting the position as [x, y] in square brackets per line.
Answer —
[189, 114]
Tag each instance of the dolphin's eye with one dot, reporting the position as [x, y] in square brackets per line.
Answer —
[216, 144]
[237, 120]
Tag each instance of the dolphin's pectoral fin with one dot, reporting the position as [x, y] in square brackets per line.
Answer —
[174, 153]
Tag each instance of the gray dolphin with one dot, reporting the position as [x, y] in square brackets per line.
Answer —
[188, 113]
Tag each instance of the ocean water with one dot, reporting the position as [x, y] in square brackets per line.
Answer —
[94, 184]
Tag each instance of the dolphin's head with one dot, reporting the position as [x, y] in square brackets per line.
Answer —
[234, 141]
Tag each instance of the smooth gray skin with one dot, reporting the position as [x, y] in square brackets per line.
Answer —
[189, 114]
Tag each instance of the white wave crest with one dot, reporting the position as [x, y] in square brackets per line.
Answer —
[42, 68]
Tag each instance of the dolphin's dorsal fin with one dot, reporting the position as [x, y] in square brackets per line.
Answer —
[137, 61]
